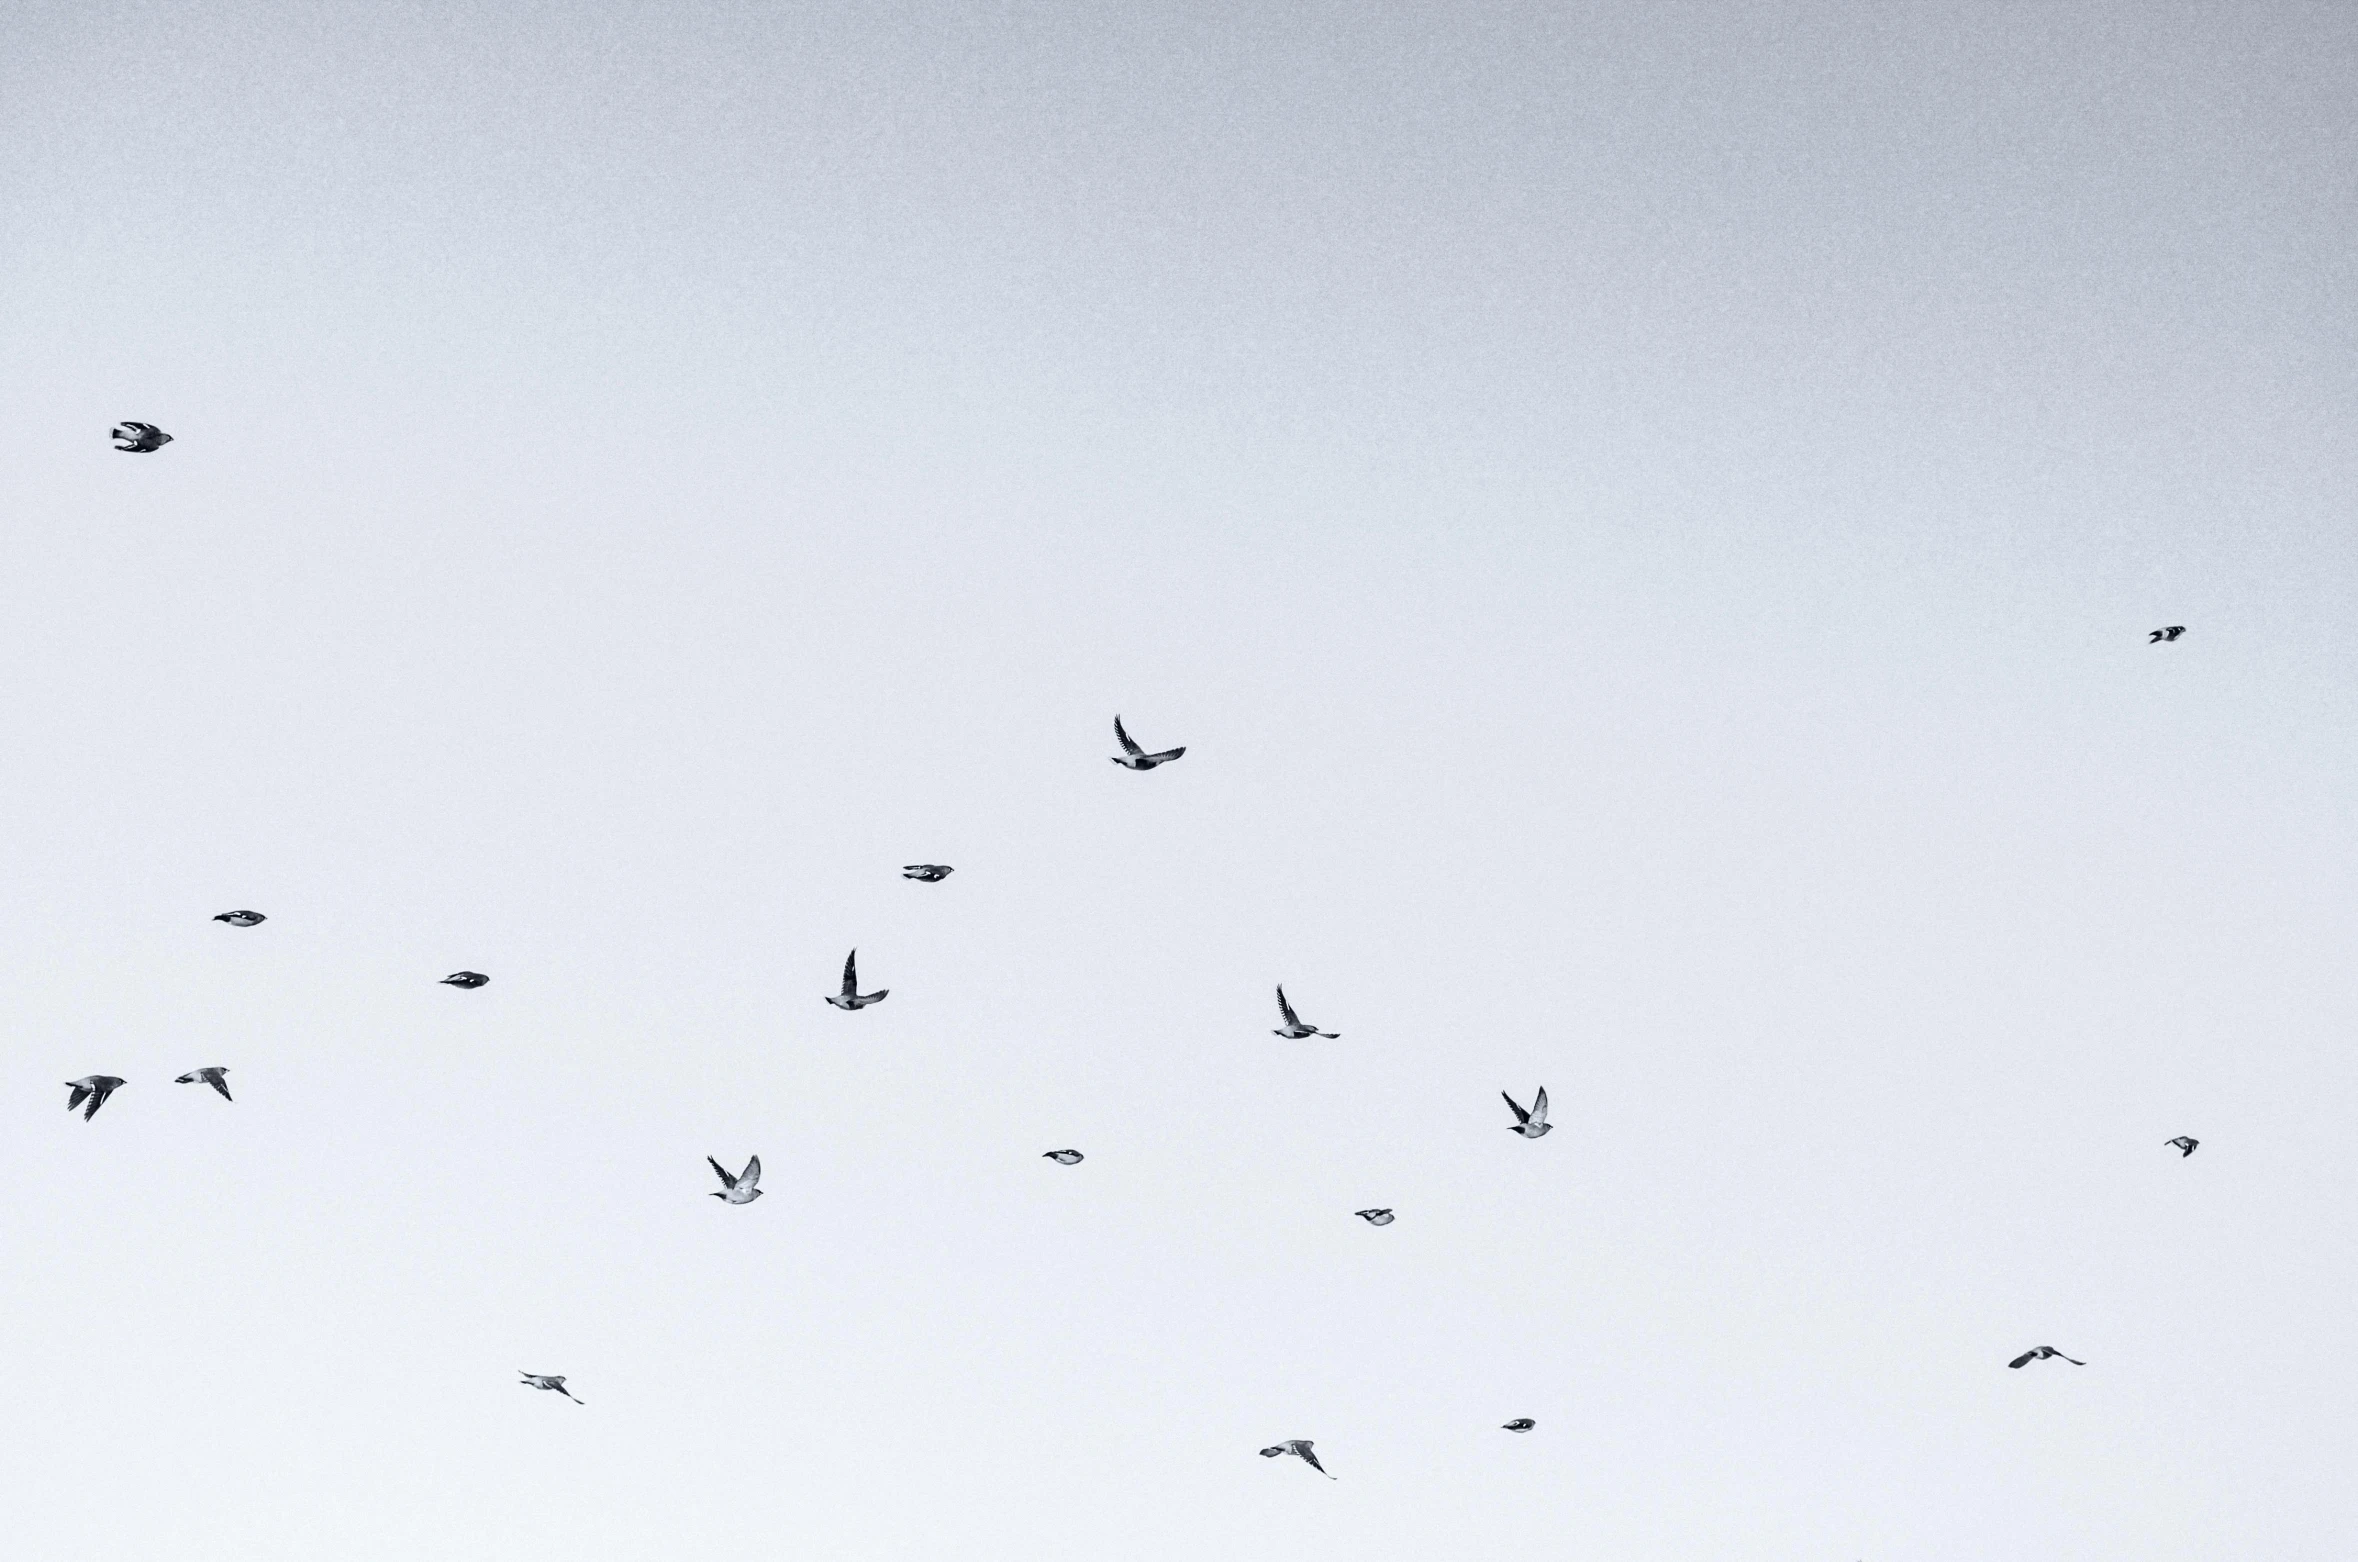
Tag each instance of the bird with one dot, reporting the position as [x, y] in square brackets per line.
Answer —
[1132, 757]
[207, 1076]
[140, 438]
[2171, 633]
[1300, 1447]
[2183, 1145]
[1064, 1157]
[466, 979]
[739, 1189]
[1374, 1217]
[1520, 1424]
[2041, 1353]
[242, 918]
[96, 1087]
[927, 872]
[852, 997]
[1533, 1123]
[1295, 1030]
[543, 1380]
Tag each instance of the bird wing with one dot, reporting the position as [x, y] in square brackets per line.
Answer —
[752, 1172]
[213, 1078]
[851, 974]
[1166, 755]
[1310, 1459]
[1286, 1008]
[1539, 1106]
[721, 1172]
[1129, 744]
[75, 1100]
[1521, 1116]
[2024, 1359]
[2074, 1360]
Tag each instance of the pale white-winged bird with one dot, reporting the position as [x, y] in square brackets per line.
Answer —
[207, 1076]
[1533, 1123]
[852, 997]
[927, 872]
[2171, 633]
[739, 1189]
[139, 438]
[1295, 1030]
[466, 979]
[2183, 1145]
[1132, 757]
[1299, 1447]
[1064, 1157]
[543, 1380]
[1375, 1217]
[2041, 1353]
[1520, 1424]
[94, 1088]
[242, 918]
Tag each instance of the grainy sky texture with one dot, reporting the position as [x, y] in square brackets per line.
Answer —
[1646, 520]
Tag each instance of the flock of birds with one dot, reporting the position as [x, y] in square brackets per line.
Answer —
[90, 1092]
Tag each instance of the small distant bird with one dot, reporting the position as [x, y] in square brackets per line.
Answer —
[468, 979]
[2171, 633]
[739, 1189]
[1533, 1123]
[1300, 1448]
[927, 872]
[1064, 1157]
[1521, 1424]
[96, 1087]
[1374, 1217]
[2183, 1145]
[2041, 1353]
[1132, 757]
[242, 918]
[1295, 1030]
[852, 997]
[140, 438]
[543, 1380]
[207, 1076]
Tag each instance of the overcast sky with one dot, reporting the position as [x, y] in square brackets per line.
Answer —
[1646, 520]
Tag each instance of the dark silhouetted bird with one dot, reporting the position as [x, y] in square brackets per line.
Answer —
[94, 1088]
[1533, 1123]
[852, 997]
[1295, 1030]
[2171, 633]
[1064, 1157]
[139, 438]
[739, 1189]
[543, 1380]
[1521, 1424]
[2041, 1353]
[927, 872]
[207, 1076]
[242, 918]
[1374, 1217]
[2183, 1145]
[1132, 757]
[1299, 1447]
[467, 979]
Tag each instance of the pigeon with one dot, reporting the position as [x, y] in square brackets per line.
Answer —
[1533, 1123]
[242, 918]
[2183, 1145]
[2041, 1353]
[542, 1380]
[1375, 1217]
[2171, 633]
[466, 979]
[852, 997]
[97, 1087]
[739, 1189]
[1064, 1157]
[207, 1076]
[140, 438]
[1295, 1030]
[1299, 1446]
[927, 872]
[1520, 1424]
[1133, 757]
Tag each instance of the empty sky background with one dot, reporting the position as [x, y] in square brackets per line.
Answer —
[1645, 519]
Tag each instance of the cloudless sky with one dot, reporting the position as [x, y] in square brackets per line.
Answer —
[1646, 519]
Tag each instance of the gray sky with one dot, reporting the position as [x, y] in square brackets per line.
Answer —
[1645, 520]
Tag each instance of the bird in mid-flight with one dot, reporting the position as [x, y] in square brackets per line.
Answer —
[1533, 1123]
[1520, 1424]
[1300, 1448]
[468, 979]
[1295, 1030]
[739, 1189]
[94, 1088]
[852, 997]
[927, 872]
[242, 918]
[1064, 1157]
[1375, 1217]
[139, 438]
[207, 1076]
[2041, 1353]
[2171, 633]
[543, 1380]
[2183, 1145]
[1132, 757]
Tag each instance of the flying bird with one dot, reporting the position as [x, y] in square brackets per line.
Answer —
[1533, 1123]
[139, 438]
[852, 997]
[1520, 1424]
[242, 918]
[927, 872]
[543, 1380]
[207, 1076]
[95, 1087]
[2171, 633]
[1064, 1157]
[1300, 1447]
[467, 979]
[2183, 1145]
[2041, 1353]
[1132, 757]
[1374, 1217]
[739, 1189]
[1295, 1030]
